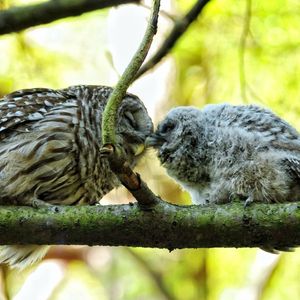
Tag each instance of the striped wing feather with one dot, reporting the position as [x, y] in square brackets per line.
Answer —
[293, 165]
[26, 106]
[253, 119]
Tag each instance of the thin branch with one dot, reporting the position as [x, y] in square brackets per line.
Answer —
[133, 182]
[179, 28]
[162, 12]
[117, 159]
[164, 226]
[110, 113]
[242, 48]
[21, 17]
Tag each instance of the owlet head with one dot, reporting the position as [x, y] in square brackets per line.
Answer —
[171, 131]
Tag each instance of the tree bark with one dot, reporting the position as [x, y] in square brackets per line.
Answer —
[21, 17]
[162, 226]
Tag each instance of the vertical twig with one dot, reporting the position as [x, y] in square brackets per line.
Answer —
[117, 162]
[116, 97]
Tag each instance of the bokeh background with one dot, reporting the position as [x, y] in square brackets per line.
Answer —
[245, 51]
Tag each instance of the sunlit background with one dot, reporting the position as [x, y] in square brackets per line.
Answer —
[237, 52]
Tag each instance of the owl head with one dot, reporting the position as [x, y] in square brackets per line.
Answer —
[179, 129]
[134, 125]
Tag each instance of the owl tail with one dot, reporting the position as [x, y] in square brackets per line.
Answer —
[22, 256]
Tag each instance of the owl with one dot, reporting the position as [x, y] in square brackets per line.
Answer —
[50, 143]
[224, 152]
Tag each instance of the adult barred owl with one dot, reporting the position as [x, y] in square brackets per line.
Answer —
[50, 144]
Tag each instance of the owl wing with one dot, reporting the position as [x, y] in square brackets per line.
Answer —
[292, 164]
[27, 105]
[253, 119]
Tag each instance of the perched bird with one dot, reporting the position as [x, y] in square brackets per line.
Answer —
[222, 152]
[50, 144]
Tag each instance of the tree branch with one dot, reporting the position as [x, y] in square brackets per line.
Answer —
[179, 28]
[164, 226]
[21, 17]
[114, 153]
[110, 113]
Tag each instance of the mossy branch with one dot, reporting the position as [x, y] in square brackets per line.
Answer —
[164, 226]
[115, 99]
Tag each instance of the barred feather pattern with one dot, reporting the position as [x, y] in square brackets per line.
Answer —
[50, 144]
[251, 118]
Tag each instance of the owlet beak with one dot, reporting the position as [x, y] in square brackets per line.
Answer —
[154, 141]
[138, 149]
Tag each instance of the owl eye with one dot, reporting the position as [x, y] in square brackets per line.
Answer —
[129, 117]
[167, 127]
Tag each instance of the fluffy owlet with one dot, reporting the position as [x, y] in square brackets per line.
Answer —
[226, 151]
[50, 144]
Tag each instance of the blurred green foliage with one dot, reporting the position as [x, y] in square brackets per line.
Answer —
[208, 56]
[211, 66]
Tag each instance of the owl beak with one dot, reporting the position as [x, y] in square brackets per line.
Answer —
[138, 149]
